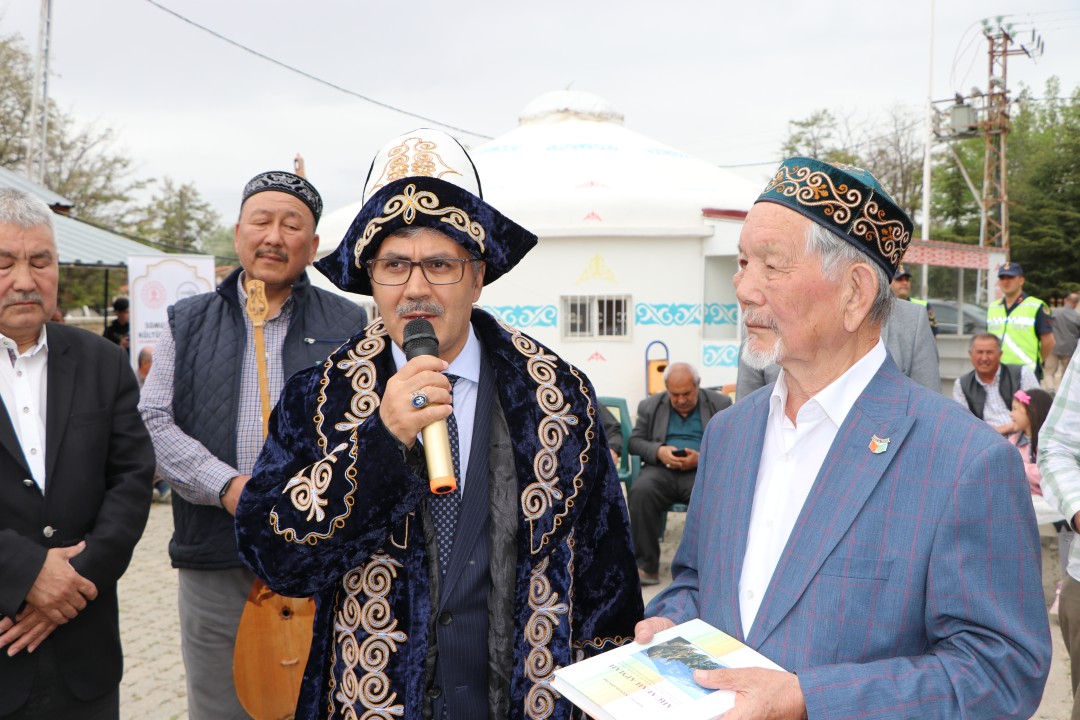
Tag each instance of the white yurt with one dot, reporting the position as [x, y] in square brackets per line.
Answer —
[637, 244]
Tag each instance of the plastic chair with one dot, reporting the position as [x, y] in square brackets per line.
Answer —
[629, 465]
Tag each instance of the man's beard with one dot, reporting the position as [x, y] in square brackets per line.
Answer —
[761, 359]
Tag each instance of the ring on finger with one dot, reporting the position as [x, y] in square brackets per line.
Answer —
[419, 399]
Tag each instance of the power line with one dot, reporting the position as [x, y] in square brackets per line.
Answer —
[317, 79]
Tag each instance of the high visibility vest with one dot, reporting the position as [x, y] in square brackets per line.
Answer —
[917, 301]
[1019, 343]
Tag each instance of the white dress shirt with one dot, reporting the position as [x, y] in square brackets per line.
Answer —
[24, 388]
[467, 367]
[791, 457]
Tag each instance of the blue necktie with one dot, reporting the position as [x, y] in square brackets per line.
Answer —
[445, 508]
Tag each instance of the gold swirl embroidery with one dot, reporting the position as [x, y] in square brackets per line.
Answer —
[414, 157]
[890, 236]
[540, 664]
[538, 497]
[813, 187]
[307, 490]
[407, 205]
[360, 369]
[372, 690]
[306, 494]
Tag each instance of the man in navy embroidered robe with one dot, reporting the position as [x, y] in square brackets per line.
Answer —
[540, 570]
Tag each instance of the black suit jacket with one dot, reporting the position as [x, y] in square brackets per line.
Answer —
[99, 468]
[653, 413]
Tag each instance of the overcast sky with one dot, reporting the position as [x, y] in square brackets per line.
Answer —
[716, 79]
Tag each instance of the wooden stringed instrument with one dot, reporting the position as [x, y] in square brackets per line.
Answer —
[274, 636]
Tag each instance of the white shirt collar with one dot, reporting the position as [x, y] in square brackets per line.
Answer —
[13, 347]
[838, 397]
[465, 365]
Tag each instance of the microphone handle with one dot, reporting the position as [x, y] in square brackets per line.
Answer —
[440, 463]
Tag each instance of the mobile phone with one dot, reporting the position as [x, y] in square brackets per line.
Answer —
[679, 453]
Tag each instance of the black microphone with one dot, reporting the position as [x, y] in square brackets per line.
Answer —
[420, 339]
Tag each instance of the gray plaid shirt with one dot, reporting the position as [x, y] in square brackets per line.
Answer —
[193, 472]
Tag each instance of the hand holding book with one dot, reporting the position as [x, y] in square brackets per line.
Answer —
[690, 671]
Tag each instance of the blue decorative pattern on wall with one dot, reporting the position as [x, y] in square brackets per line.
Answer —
[721, 313]
[523, 316]
[667, 314]
[720, 355]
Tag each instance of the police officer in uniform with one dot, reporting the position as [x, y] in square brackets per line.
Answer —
[1021, 322]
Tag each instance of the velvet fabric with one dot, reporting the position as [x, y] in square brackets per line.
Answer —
[847, 200]
[426, 202]
[335, 509]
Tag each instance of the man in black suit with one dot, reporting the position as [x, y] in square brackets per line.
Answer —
[76, 465]
[667, 437]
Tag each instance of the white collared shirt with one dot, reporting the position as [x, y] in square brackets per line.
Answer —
[467, 367]
[23, 389]
[791, 457]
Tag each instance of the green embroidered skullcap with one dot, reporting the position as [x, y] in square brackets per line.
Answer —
[847, 200]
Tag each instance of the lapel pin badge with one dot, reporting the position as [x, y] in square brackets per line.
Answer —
[878, 445]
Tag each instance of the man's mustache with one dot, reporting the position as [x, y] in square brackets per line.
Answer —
[420, 308]
[17, 298]
[273, 252]
[759, 318]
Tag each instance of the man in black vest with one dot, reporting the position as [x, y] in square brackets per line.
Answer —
[461, 605]
[988, 389]
[201, 402]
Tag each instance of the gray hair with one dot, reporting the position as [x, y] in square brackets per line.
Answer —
[983, 336]
[23, 209]
[682, 366]
[837, 254]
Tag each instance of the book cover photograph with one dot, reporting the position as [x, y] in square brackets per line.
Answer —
[656, 680]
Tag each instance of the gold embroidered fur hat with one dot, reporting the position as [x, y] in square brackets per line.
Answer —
[848, 201]
[425, 179]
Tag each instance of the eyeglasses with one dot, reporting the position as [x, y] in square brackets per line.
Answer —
[437, 271]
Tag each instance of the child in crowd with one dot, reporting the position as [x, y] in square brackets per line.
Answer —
[1029, 411]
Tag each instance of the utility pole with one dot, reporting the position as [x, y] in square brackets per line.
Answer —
[36, 150]
[995, 196]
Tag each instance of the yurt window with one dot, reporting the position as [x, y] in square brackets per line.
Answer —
[587, 316]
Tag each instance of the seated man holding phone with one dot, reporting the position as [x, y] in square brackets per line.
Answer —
[668, 444]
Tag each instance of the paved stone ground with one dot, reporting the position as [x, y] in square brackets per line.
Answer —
[153, 686]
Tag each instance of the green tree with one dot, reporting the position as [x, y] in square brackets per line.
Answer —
[81, 163]
[893, 152]
[1044, 190]
[177, 216]
[1043, 162]
[818, 136]
[891, 149]
[16, 81]
[220, 244]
